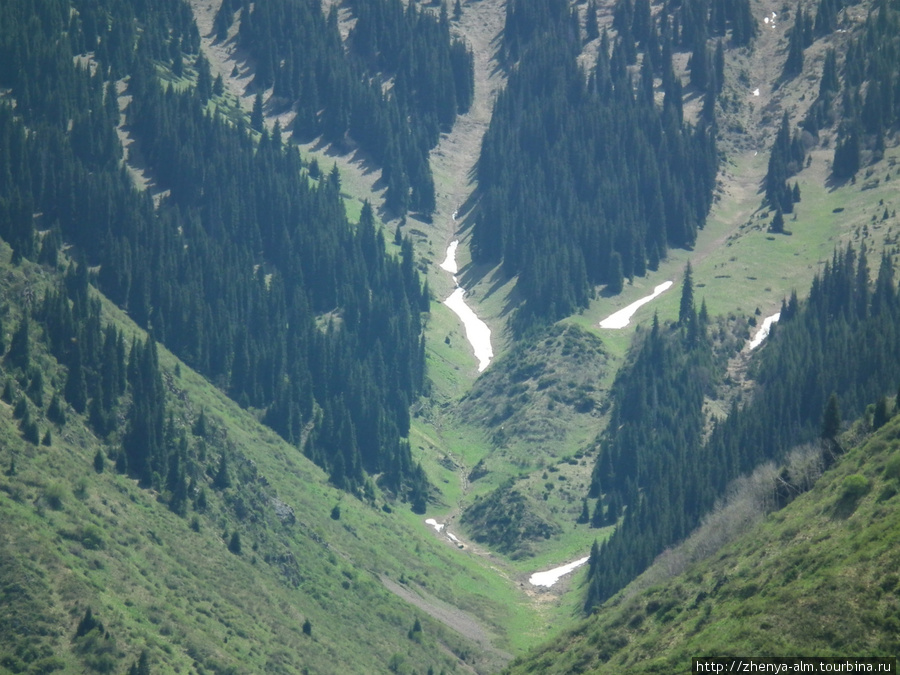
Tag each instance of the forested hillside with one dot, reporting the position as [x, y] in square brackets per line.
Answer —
[298, 52]
[151, 524]
[829, 357]
[240, 426]
[248, 270]
[586, 178]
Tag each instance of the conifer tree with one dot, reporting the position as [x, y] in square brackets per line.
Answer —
[880, 416]
[778, 222]
[204, 79]
[76, 386]
[19, 355]
[222, 479]
[794, 64]
[591, 26]
[585, 516]
[686, 306]
[831, 418]
[99, 461]
[256, 116]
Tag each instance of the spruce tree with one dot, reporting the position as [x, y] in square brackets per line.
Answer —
[222, 479]
[686, 306]
[794, 64]
[585, 514]
[19, 355]
[99, 461]
[591, 26]
[256, 116]
[778, 222]
[831, 418]
[880, 416]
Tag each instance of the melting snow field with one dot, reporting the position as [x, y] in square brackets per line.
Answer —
[621, 318]
[550, 577]
[477, 332]
[763, 332]
[439, 527]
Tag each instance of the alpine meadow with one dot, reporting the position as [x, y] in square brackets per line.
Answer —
[448, 336]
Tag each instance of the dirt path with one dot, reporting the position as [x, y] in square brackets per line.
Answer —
[459, 620]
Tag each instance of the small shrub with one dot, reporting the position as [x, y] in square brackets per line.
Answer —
[235, 544]
[854, 486]
[892, 468]
[54, 495]
[92, 538]
[81, 488]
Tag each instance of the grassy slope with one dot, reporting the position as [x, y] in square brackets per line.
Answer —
[818, 577]
[158, 584]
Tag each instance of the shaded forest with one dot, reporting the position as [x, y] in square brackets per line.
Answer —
[588, 178]
[247, 270]
[338, 93]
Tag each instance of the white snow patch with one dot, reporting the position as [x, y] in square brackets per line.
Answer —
[477, 332]
[621, 318]
[550, 577]
[765, 19]
[756, 92]
[763, 332]
[452, 537]
[435, 524]
[449, 264]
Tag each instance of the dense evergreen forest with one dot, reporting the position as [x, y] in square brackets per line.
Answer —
[338, 94]
[247, 269]
[585, 178]
[837, 351]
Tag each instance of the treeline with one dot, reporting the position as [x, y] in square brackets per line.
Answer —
[828, 358]
[298, 51]
[584, 179]
[247, 270]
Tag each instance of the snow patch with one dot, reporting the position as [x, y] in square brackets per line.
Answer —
[621, 318]
[449, 264]
[756, 92]
[435, 524]
[550, 577]
[763, 332]
[477, 332]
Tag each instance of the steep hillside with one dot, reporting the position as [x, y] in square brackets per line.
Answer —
[817, 577]
[266, 569]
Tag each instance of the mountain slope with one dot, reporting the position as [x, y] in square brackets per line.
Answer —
[815, 578]
[179, 587]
